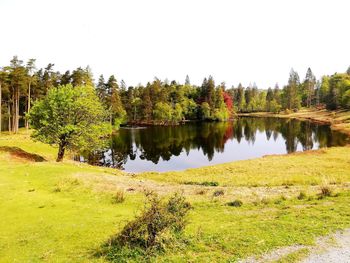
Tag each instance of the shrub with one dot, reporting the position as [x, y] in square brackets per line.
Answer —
[325, 191]
[218, 193]
[205, 183]
[302, 195]
[235, 203]
[118, 197]
[201, 192]
[158, 223]
[265, 201]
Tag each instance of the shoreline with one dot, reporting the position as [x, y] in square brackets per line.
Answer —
[338, 120]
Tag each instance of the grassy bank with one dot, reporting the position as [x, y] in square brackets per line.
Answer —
[339, 119]
[64, 212]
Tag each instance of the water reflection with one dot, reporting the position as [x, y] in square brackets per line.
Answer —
[198, 144]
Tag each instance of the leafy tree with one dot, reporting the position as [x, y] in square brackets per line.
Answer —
[205, 111]
[162, 112]
[71, 118]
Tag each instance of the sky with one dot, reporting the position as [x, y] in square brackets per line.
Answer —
[136, 40]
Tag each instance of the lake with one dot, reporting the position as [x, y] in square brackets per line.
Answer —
[196, 144]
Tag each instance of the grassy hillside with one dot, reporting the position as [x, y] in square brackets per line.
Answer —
[64, 212]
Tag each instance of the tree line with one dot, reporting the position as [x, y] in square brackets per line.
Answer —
[165, 102]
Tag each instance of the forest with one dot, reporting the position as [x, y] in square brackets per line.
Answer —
[164, 102]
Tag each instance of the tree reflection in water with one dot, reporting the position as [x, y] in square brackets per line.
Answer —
[161, 144]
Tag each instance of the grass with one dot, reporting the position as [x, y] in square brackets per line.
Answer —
[329, 165]
[49, 214]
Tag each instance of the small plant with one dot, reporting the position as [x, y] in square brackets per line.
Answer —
[325, 191]
[265, 200]
[201, 192]
[235, 203]
[205, 183]
[280, 200]
[218, 193]
[118, 197]
[302, 195]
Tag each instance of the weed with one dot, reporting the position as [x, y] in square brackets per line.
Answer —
[302, 195]
[118, 197]
[205, 183]
[325, 192]
[218, 193]
[201, 192]
[235, 203]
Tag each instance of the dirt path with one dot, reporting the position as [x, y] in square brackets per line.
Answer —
[332, 253]
[334, 248]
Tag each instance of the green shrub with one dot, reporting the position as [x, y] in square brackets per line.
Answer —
[156, 227]
[235, 203]
[302, 195]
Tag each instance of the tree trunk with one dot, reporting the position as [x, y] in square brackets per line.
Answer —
[9, 118]
[17, 110]
[61, 150]
[0, 109]
[28, 106]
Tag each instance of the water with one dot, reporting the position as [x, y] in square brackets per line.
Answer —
[198, 144]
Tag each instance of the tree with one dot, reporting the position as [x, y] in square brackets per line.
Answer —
[71, 118]
[205, 110]
[30, 79]
[308, 88]
[3, 81]
[188, 82]
[241, 102]
[348, 71]
[146, 104]
[291, 99]
[116, 109]
[17, 77]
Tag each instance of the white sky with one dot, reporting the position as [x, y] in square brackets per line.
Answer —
[234, 40]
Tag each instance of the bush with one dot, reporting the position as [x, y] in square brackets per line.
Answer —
[118, 197]
[158, 223]
[301, 196]
[218, 193]
[205, 183]
[325, 191]
[201, 192]
[236, 203]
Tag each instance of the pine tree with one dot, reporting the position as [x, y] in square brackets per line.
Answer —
[309, 88]
[30, 79]
[291, 92]
[117, 111]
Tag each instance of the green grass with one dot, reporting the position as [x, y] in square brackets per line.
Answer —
[329, 165]
[50, 215]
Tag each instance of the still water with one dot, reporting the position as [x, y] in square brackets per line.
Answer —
[195, 144]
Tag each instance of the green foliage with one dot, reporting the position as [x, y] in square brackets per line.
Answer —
[205, 111]
[70, 117]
